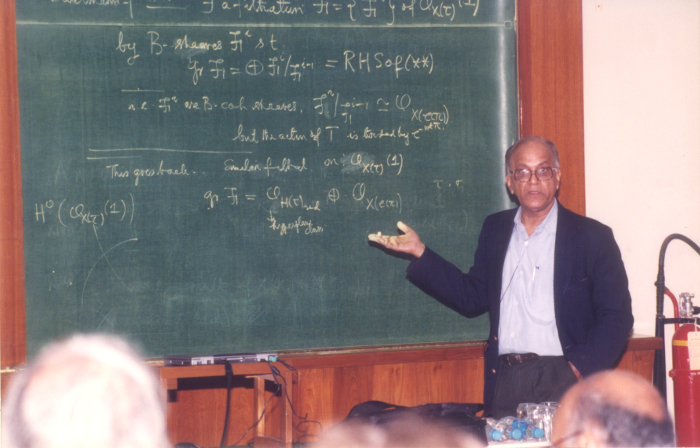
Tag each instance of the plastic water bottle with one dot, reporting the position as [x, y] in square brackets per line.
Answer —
[491, 432]
[509, 431]
[507, 428]
[514, 433]
[534, 433]
[520, 423]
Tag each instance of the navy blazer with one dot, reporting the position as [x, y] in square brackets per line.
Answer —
[592, 303]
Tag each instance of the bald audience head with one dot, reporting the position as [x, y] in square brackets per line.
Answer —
[613, 408]
[85, 392]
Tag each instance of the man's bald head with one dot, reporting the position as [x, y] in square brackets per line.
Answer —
[613, 408]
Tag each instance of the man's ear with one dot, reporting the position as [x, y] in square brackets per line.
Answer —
[508, 181]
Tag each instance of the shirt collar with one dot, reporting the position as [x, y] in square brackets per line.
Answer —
[549, 223]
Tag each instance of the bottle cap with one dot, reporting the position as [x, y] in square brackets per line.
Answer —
[537, 433]
[520, 424]
[495, 435]
[516, 434]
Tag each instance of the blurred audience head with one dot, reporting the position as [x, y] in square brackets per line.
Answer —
[613, 408]
[88, 391]
[405, 432]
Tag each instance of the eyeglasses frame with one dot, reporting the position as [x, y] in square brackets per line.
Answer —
[512, 173]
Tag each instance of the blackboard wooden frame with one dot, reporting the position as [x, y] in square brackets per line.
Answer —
[551, 104]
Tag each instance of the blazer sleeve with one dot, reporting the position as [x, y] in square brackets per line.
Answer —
[464, 293]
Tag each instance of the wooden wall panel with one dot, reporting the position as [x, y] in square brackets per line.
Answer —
[550, 76]
[430, 382]
[641, 363]
[196, 412]
[351, 385]
[313, 397]
[13, 347]
[639, 358]
[452, 373]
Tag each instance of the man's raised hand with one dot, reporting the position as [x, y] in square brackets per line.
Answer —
[408, 243]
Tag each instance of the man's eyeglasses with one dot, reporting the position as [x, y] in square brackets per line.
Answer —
[525, 175]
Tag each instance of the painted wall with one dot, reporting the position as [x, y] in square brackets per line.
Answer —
[641, 62]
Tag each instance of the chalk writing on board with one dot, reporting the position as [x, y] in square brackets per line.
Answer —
[291, 201]
[138, 173]
[207, 170]
[113, 209]
[331, 105]
[457, 183]
[300, 225]
[373, 11]
[283, 64]
[315, 118]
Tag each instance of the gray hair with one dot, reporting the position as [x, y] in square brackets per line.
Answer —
[615, 426]
[532, 138]
[85, 391]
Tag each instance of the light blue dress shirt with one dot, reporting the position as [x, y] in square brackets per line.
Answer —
[527, 323]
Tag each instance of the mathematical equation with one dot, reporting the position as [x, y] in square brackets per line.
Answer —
[271, 112]
[338, 113]
[386, 12]
[275, 201]
[228, 59]
[329, 104]
[120, 210]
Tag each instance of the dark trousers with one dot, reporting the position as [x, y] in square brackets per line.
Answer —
[535, 381]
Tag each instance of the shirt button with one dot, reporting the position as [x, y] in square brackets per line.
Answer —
[516, 304]
[512, 335]
[493, 370]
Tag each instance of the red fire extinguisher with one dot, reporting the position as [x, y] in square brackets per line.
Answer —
[686, 382]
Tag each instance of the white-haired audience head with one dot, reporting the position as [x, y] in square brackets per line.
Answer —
[88, 391]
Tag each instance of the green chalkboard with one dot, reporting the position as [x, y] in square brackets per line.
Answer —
[201, 175]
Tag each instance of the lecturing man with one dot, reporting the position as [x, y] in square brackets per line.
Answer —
[553, 281]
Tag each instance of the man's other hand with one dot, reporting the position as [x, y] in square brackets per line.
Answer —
[576, 372]
[408, 243]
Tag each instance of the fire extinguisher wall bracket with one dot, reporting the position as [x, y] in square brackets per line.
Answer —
[686, 382]
[659, 377]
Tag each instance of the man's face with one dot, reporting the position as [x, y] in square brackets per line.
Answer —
[534, 195]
